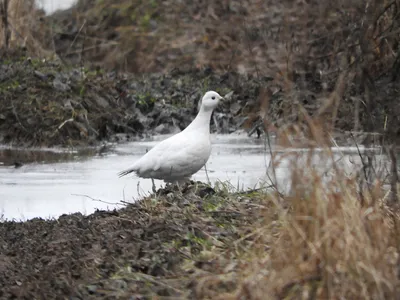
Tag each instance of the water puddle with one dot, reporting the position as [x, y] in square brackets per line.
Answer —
[50, 183]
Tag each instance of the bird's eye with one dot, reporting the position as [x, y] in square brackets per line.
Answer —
[213, 97]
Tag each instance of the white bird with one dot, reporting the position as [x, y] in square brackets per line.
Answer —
[177, 158]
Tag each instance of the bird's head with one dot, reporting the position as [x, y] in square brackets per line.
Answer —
[210, 100]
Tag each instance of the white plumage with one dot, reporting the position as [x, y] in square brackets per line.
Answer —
[180, 156]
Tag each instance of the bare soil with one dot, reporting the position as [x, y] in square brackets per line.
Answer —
[158, 246]
[48, 103]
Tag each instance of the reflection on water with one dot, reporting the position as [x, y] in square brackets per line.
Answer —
[19, 157]
[54, 183]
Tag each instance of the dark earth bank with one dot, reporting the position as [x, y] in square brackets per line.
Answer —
[49, 103]
[161, 246]
[46, 103]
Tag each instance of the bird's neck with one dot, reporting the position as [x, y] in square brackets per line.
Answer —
[202, 121]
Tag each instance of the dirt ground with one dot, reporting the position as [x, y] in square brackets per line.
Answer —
[157, 247]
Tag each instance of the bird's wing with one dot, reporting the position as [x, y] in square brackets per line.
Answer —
[148, 162]
[177, 154]
[185, 157]
[154, 158]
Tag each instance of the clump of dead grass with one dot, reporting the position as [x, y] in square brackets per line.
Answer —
[326, 237]
[330, 245]
[23, 26]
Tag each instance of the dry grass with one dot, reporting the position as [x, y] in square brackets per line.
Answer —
[283, 39]
[329, 247]
[24, 27]
[337, 60]
[329, 236]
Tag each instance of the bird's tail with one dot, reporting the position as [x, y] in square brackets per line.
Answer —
[126, 172]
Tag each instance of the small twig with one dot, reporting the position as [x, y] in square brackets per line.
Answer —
[394, 177]
[365, 169]
[99, 200]
[362, 158]
[156, 281]
[14, 110]
[153, 186]
[4, 19]
[383, 11]
[330, 54]
[82, 51]
[255, 190]
[216, 123]
[274, 182]
[76, 36]
[208, 177]
[125, 202]
[226, 213]
[286, 289]
[255, 127]
[65, 122]
[126, 127]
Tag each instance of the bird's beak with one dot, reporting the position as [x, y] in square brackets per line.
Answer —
[222, 99]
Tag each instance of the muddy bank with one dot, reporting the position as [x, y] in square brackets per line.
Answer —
[46, 103]
[156, 247]
[173, 53]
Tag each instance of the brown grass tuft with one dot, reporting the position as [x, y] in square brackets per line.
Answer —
[26, 27]
[325, 237]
